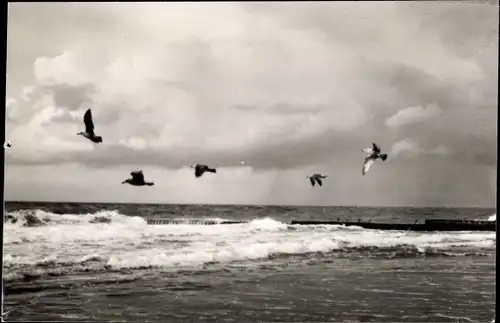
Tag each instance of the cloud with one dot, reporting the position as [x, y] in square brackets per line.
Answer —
[413, 115]
[406, 147]
[11, 108]
[169, 108]
[72, 97]
[440, 150]
[410, 148]
[428, 25]
[285, 108]
[10, 102]
[283, 86]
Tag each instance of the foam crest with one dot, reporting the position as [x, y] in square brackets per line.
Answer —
[268, 245]
[246, 244]
[209, 253]
[266, 224]
[38, 226]
[36, 218]
[128, 242]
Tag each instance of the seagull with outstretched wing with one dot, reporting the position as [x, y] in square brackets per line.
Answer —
[89, 128]
[137, 179]
[199, 170]
[316, 178]
[375, 153]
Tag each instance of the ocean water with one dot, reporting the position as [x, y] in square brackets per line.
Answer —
[75, 262]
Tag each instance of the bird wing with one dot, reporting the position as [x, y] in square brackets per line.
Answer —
[312, 180]
[376, 148]
[89, 124]
[367, 150]
[319, 181]
[366, 166]
[137, 176]
[199, 170]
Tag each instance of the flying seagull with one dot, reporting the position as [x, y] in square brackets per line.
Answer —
[137, 179]
[199, 170]
[316, 178]
[370, 159]
[89, 128]
[8, 144]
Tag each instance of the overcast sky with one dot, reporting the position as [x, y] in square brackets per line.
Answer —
[289, 88]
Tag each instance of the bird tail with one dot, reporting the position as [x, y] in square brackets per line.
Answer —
[383, 156]
[150, 184]
[212, 170]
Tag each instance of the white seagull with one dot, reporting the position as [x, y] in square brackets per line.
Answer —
[370, 159]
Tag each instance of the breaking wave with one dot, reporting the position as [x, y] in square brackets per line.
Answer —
[35, 218]
[39, 243]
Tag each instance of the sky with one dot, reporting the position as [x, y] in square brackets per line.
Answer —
[291, 89]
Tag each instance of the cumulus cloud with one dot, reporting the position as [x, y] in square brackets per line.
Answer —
[163, 101]
[406, 147]
[27, 92]
[413, 115]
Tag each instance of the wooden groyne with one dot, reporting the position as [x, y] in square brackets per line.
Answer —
[428, 225]
[190, 222]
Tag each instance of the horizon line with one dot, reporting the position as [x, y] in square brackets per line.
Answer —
[250, 204]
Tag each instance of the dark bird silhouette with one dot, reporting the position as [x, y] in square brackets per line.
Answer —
[199, 170]
[137, 179]
[89, 128]
[374, 155]
[316, 178]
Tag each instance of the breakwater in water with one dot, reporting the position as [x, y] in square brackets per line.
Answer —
[428, 225]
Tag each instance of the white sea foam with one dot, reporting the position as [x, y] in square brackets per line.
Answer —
[128, 242]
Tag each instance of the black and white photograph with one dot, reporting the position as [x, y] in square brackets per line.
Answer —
[269, 161]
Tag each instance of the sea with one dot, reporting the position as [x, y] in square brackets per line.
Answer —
[103, 262]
